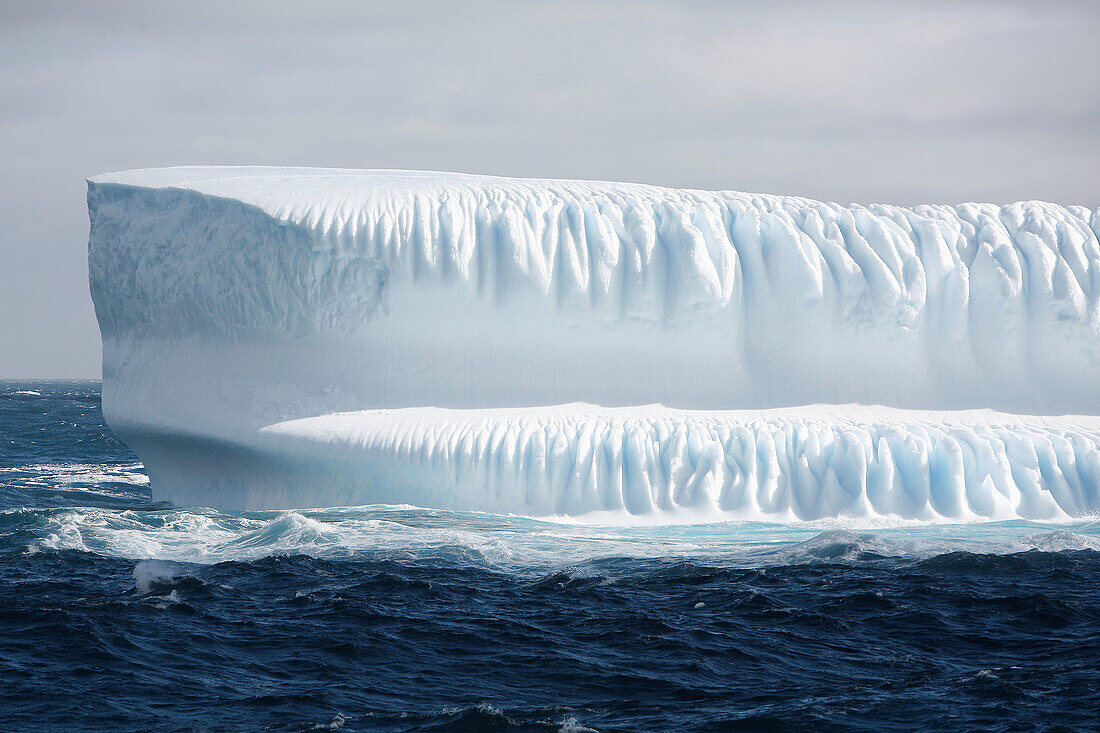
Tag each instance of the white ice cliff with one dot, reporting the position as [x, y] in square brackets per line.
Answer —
[279, 337]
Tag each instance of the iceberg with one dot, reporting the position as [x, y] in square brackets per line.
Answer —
[292, 337]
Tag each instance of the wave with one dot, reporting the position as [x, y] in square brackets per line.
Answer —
[85, 475]
[507, 543]
[118, 485]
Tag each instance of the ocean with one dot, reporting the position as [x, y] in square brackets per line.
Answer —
[118, 612]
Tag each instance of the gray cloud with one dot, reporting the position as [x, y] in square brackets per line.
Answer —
[853, 101]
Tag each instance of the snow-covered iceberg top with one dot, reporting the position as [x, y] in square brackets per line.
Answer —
[232, 300]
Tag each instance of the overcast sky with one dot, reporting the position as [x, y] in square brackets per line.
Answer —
[868, 102]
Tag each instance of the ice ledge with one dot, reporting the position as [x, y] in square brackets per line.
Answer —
[787, 464]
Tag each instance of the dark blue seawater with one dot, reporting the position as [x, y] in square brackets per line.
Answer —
[121, 613]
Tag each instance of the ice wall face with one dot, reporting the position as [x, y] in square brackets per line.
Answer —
[541, 292]
[233, 299]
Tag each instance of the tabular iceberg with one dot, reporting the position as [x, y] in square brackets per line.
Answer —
[278, 337]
